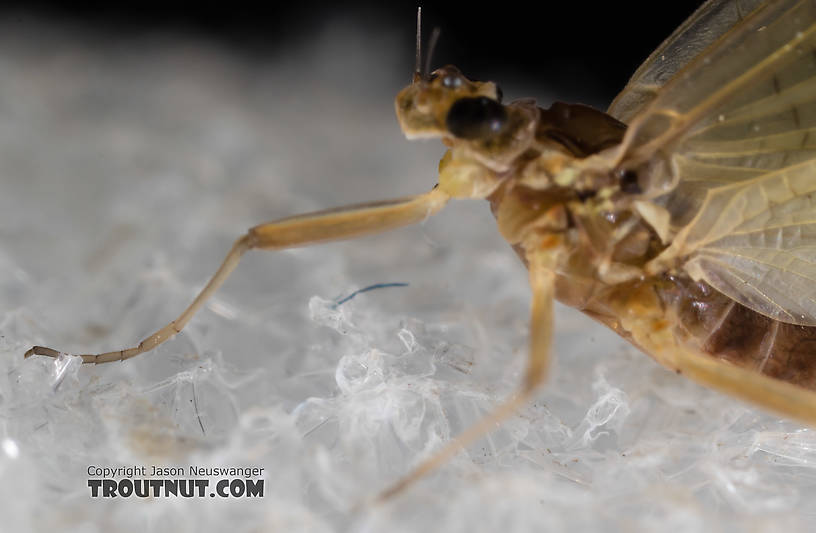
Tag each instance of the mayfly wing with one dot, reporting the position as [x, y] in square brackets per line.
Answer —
[710, 21]
[722, 134]
[736, 131]
[752, 60]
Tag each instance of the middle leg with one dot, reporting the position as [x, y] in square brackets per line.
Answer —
[542, 283]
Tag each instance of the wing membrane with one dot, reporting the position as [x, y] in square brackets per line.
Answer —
[765, 53]
[755, 241]
[737, 126]
[702, 29]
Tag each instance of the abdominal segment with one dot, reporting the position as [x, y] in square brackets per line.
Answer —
[723, 328]
[664, 314]
[713, 324]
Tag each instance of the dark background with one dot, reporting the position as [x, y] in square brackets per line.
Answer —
[590, 48]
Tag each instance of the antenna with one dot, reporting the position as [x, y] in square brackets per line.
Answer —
[418, 64]
[431, 47]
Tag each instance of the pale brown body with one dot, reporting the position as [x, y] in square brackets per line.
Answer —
[701, 317]
[694, 314]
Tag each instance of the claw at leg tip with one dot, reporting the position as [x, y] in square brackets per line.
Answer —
[41, 350]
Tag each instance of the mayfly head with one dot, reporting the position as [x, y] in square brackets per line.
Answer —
[484, 136]
[437, 101]
[446, 103]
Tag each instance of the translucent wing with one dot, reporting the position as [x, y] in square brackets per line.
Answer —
[703, 27]
[728, 144]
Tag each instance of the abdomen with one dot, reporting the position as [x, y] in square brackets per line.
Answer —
[700, 319]
[725, 329]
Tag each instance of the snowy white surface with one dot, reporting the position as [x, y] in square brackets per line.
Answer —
[127, 168]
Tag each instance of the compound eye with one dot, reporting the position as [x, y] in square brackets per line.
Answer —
[475, 118]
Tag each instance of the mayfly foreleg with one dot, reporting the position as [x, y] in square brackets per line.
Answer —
[542, 282]
[335, 224]
[168, 331]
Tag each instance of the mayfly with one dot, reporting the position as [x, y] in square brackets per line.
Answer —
[683, 218]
